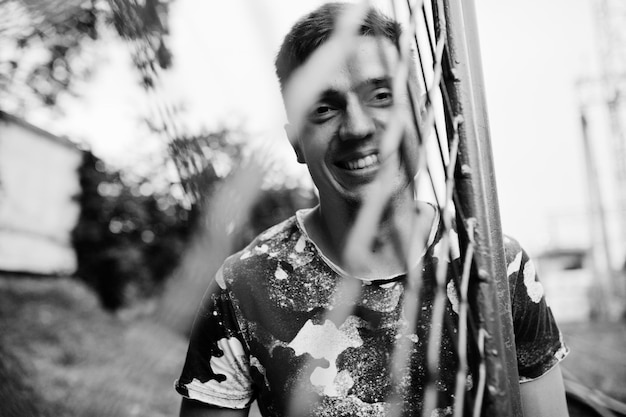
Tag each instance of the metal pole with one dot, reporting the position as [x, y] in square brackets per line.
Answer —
[478, 201]
[603, 279]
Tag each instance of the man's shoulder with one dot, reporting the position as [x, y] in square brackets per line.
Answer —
[511, 245]
[271, 244]
[514, 253]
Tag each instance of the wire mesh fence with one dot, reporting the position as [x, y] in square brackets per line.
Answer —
[438, 69]
[455, 171]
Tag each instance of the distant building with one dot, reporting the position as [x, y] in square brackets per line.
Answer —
[38, 210]
[567, 277]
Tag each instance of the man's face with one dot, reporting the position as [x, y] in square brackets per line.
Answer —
[340, 137]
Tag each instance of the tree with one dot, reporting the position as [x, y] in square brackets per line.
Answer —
[45, 45]
[129, 237]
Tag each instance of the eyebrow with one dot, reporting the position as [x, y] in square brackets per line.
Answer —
[377, 82]
[334, 94]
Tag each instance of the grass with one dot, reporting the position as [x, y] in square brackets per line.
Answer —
[62, 355]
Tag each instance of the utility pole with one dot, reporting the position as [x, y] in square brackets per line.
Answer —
[602, 289]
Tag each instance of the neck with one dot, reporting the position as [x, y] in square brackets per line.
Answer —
[338, 220]
[383, 252]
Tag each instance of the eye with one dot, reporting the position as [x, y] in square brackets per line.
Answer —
[381, 97]
[322, 112]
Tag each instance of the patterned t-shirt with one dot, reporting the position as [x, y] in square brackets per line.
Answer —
[265, 331]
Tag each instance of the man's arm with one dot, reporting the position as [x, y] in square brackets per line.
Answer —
[545, 396]
[192, 408]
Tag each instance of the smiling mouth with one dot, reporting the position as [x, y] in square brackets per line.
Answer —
[359, 163]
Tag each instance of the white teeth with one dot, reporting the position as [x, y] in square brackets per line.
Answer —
[361, 163]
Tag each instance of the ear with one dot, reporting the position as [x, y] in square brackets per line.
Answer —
[294, 139]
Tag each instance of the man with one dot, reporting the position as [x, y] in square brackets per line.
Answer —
[273, 329]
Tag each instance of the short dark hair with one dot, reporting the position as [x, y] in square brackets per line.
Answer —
[315, 28]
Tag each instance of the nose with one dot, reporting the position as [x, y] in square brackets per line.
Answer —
[357, 123]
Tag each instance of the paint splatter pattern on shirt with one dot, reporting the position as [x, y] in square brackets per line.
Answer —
[263, 332]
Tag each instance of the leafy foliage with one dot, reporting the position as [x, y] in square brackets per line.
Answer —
[46, 44]
[204, 159]
[129, 237]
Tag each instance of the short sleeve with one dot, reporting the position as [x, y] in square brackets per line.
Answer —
[216, 369]
[538, 341]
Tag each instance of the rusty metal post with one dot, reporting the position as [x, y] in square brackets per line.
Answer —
[478, 202]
